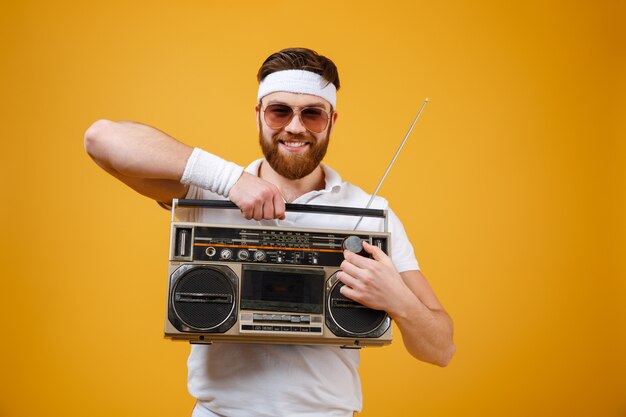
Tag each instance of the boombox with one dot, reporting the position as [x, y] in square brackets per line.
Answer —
[255, 284]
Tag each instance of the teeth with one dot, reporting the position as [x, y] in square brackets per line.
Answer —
[294, 144]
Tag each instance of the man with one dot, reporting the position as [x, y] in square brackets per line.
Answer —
[296, 113]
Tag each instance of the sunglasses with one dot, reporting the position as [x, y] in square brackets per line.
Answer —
[314, 119]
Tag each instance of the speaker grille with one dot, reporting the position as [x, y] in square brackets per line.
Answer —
[352, 317]
[203, 298]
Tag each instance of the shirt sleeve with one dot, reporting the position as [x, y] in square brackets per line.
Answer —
[402, 253]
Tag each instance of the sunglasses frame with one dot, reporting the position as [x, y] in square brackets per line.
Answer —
[298, 110]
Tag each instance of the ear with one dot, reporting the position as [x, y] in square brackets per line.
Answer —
[256, 118]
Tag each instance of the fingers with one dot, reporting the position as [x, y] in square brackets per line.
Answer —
[351, 269]
[269, 208]
[353, 288]
[376, 252]
[347, 279]
[279, 206]
[358, 260]
[257, 199]
[258, 211]
[349, 292]
[369, 281]
[247, 212]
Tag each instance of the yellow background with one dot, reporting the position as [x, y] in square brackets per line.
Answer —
[511, 188]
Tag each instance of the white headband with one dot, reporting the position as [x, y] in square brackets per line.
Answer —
[298, 81]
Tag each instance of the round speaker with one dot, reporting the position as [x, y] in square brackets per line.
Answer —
[348, 318]
[203, 297]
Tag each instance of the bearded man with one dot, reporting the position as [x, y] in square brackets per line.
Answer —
[296, 113]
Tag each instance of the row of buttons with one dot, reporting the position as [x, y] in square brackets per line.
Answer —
[285, 318]
[281, 328]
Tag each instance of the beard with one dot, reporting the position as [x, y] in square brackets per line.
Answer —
[293, 166]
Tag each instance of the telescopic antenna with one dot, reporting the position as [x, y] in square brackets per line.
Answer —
[393, 160]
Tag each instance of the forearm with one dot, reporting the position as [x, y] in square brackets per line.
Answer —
[162, 168]
[426, 333]
[135, 150]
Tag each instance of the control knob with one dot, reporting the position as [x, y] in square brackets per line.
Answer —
[353, 244]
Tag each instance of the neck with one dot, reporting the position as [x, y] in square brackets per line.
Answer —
[292, 189]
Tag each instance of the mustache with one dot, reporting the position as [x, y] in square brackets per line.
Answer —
[285, 137]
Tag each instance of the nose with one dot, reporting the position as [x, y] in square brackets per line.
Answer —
[295, 126]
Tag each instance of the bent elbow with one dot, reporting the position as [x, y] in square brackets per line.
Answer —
[94, 136]
[445, 359]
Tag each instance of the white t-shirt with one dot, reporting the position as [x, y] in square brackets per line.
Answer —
[262, 380]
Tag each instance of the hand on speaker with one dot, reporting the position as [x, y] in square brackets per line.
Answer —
[257, 198]
[375, 283]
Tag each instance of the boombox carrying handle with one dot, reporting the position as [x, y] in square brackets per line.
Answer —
[302, 208]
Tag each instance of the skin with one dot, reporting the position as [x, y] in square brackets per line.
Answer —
[152, 162]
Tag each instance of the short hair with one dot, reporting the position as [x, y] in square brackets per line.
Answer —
[300, 59]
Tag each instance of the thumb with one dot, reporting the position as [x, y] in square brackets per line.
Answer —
[376, 252]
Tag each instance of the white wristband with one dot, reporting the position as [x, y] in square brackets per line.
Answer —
[211, 172]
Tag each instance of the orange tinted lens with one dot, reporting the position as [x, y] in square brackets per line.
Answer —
[278, 115]
[314, 119]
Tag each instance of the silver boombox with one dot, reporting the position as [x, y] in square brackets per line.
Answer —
[254, 284]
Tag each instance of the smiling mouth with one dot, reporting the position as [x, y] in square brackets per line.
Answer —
[294, 144]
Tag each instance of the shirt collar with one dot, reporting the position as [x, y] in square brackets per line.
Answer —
[331, 177]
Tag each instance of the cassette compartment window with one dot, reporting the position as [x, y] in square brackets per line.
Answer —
[282, 289]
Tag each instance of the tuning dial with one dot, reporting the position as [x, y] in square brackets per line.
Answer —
[243, 255]
[259, 255]
[226, 254]
[353, 244]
